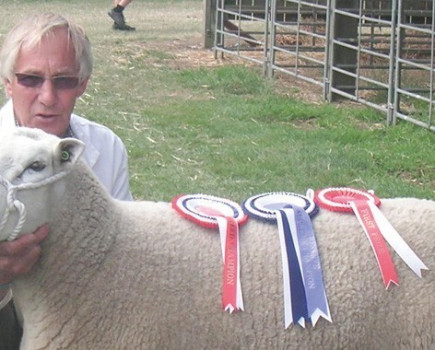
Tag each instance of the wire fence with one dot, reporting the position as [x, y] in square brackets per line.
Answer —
[377, 52]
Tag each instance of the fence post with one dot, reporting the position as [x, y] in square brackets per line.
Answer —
[344, 58]
[209, 23]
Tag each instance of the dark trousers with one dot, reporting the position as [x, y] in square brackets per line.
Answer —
[10, 330]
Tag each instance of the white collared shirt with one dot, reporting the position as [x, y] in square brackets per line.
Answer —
[105, 153]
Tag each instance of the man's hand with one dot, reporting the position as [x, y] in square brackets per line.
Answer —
[18, 257]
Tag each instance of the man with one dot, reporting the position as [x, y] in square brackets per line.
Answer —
[117, 14]
[46, 63]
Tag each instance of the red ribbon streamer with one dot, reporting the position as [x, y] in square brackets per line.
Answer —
[380, 248]
[230, 267]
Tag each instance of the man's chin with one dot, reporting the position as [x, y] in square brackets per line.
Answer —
[50, 126]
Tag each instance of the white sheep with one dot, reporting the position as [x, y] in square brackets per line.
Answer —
[135, 275]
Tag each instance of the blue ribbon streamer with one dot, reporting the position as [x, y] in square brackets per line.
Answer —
[297, 291]
[311, 268]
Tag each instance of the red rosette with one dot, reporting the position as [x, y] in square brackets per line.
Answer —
[226, 215]
[339, 198]
[205, 209]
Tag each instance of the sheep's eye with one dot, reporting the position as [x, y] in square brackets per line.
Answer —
[37, 166]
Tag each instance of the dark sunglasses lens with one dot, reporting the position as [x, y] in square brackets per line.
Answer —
[33, 81]
[65, 82]
[29, 80]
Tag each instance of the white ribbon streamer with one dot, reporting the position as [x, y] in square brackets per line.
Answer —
[288, 315]
[397, 242]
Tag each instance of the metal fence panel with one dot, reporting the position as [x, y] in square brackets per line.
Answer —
[377, 52]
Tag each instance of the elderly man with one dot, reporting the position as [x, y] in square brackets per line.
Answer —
[46, 63]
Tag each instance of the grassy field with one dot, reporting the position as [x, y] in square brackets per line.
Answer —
[193, 124]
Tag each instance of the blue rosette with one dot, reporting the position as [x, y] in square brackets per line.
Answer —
[303, 286]
[264, 206]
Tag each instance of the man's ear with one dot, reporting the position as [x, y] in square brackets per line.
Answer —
[8, 87]
[67, 152]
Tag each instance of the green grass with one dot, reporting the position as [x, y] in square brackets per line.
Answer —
[240, 145]
[195, 125]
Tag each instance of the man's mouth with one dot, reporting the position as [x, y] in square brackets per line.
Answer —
[45, 116]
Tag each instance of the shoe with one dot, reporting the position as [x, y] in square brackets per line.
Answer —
[122, 27]
[118, 17]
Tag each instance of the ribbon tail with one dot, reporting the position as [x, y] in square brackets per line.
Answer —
[229, 307]
[305, 242]
[239, 297]
[231, 285]
[222, 224]
[288, 314]
[297, 290]
[397, 242]
[390, 280]
[317, 313]
[301, 321]
[380, 248]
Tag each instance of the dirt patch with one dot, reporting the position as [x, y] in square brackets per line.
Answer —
[191, 54]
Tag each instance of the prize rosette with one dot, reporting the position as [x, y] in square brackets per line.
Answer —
[227, 216]
[376, 227]
[304, 289]
[340, 198]
[264, 206]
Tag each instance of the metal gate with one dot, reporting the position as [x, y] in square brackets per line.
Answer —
[377, 52]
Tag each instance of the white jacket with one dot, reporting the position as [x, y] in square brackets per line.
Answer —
[105, 153]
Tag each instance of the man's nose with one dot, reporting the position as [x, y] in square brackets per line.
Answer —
[47, 93]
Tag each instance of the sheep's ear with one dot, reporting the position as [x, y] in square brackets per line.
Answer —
[68, 151]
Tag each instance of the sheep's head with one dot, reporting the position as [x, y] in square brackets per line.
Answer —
[32, 164]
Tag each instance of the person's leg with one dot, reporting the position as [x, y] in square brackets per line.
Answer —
[123, 3]
[117, 15]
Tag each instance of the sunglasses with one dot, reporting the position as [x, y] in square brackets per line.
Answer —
[36, 81]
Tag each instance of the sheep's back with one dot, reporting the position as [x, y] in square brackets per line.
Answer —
[158, 286]
[170, 274]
